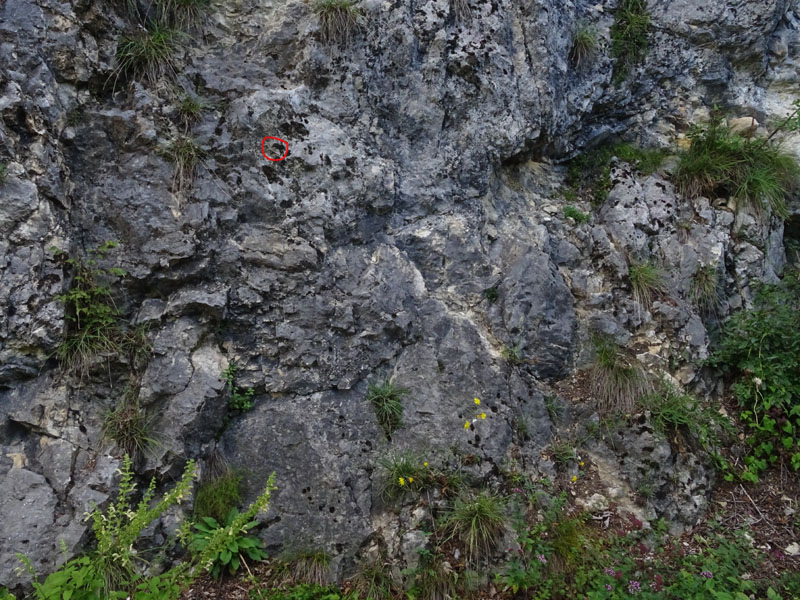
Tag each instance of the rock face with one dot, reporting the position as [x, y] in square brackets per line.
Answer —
[415, 231]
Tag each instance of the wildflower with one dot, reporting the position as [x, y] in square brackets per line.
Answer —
[633, 587]
[542, 559]
[483, 415]
[410, 480]
[757, 381]
[477, 400]
[609, 587]
[402, 481]
[581, 463]
[466, 425]
[707, 574]
[610, 571]
[517, 490]
[425, 464]
[574, 478]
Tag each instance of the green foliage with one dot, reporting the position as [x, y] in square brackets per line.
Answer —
[403, 473]
[191, 107]
[762, 347]
[374, 580]
[185, 154]
[705, 289]
[647, 281]
[434, 578]
[629, 36]
[338, 20]
[512, 355]
[236, 547]
[148, 54]
[215, 498]
[129, 427]
[386, 399]
[584, 45]
[720, 163]
[182, 14]
[617, 379]
[563, 452]
[478, 523]
[238, 399]
[303, 591]
[570, 212]
[491, 294]
[90, 311]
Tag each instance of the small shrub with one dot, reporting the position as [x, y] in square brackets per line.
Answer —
[617, 380]
[129, 427]
[338, 19]
[236, 548]
[148, 54]
[584, 45]
[478, 523]
[570, 212]
[761, 346]
[238, 399]
[719, 163]
[216, 497]
[647, 281]
[386, 399]
[705, 289]
[629, 36]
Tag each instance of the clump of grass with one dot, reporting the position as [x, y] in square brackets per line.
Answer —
[387, 401]
[190, 108]
[584, 45]
[435, 578]
[719, 163]
[374, 580]
[3, 172]
[185, 154]
[309, 567]
[563, 452]
[705, 289]
[403, 472]
[629, 36]
[570, 212]
[182, 14]
[617, 380]
[216, 497]
[129, 427]
[135, 345]
[148, 54]
[512, 355]
[338, 19]
[478, 523]
[647, 281]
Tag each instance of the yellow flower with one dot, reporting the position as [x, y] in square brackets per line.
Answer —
[581, 463]
[466, 425]
[483, 415]
[410, 480]
[402, 481]
[574, 478]
[424, 464]
[477, 400]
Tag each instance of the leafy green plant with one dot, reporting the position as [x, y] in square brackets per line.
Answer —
[129, 426]
[217, 496]
[386, 399]
[237, 548]
[148, 54]
[338, 19]
[647, 281]
[617, 380]
[570, 212]
[705, 289]
[478, 523]
[629, 36]
[762, 347]
[90, 311]
[584, 45]
[756, 173]
[434, 578]
[238, 399]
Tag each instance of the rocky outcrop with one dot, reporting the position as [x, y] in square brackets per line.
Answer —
[419, 176]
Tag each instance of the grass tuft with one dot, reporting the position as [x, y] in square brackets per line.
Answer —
[216, 497]
[647, 281]
[183, 14]
[148, 54]
[309, 568]
[387, 401]
[720, 163]
[403, 472]
[705, 289]
[629, 36]
[584, 45]
[374, 580]
[478, 523]
[129, 427]
[3, 172]
[338, 20]
[617, 380]
[570, 212]
[185, 154]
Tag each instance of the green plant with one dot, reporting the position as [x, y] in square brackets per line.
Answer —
[216, 497]
[185, 154]
[338, 19]
[238, 399]
[570, 212]
[563, 452]
[705, 289]
[129, 427]
[307, 567]
[434, 578]
[386, 399]
[190, 108]
[491, 294]
[403, 473]
[134, 343]
[374, 580]
[148, 54]
[90, 311]
[584, 45]
[237, 546]
[303, 591]
[757, 174]
[182, 14]
[6, 595]
[629, 36]
[478, 523]
[647, 281]
[512, 356]
[3, 172]
[617, 380]
[762, 347]
[554, 407]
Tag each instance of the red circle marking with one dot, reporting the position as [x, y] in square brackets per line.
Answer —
[269, 137]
